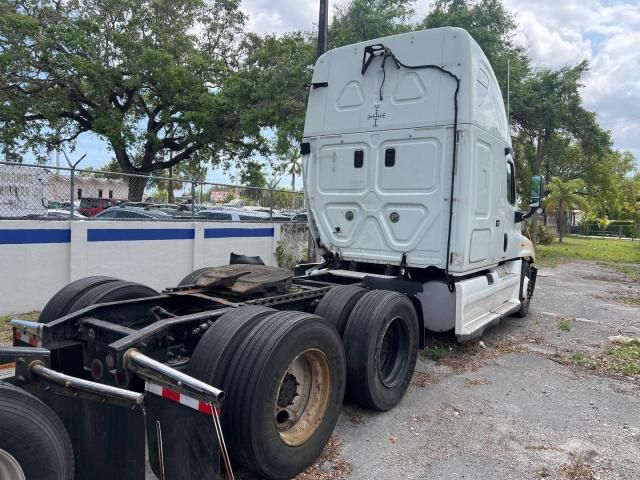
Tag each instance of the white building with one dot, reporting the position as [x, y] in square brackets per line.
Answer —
[86, 187]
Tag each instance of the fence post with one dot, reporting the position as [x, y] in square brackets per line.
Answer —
[271, 205]
[193, 199]
[71, 193]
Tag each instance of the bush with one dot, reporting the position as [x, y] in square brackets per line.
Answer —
[546, 234]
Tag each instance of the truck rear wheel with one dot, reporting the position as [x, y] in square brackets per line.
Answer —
[192, 277]
[111, 292]
[211, 363]
[58, 305]
[337, 305]
[34, 445]
[381, 345]
[284, 395]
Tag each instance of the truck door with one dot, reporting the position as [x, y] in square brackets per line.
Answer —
[505, 229]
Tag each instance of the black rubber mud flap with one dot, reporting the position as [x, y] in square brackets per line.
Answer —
[183, 457]
[108, 441]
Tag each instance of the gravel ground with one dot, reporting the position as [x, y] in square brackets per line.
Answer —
[519, 408]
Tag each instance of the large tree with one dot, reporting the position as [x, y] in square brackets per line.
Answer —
[156, 79]
[493, 27]
[360, 20]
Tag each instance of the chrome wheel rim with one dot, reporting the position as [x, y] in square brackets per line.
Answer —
[10, 469]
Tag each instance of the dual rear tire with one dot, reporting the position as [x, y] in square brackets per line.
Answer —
[90, 291]
[380, 335]
[284, 376]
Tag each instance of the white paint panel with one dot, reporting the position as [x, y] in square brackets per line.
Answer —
[33, 272]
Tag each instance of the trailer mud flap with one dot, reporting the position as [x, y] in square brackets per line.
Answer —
[187, 452]
[108, 441]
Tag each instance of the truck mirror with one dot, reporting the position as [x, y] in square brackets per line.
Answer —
[537, 191]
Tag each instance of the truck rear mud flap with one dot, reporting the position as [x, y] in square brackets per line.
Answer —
[106, 425]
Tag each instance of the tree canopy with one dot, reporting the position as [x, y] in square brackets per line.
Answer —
[181, 82]
[148, 76]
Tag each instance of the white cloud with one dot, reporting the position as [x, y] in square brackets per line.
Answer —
[279, 16]
[605, 32]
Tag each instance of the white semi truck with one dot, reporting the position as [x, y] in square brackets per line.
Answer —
[410, 186]
[409, 176]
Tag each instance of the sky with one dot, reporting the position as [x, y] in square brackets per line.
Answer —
[554, 33]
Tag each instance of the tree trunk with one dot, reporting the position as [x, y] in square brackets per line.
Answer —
[136, 188]
[170, 198]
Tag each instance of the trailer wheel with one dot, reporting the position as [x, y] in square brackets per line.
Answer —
[526, 303]
[192, 277]
[284, 395]
[34, 445]
[58, 305]
[336, 306]
[381, 344]
[111, 292]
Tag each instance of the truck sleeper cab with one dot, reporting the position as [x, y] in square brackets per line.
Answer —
[409, 175]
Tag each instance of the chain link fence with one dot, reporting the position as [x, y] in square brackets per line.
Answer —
[614, 230]
[47, 192]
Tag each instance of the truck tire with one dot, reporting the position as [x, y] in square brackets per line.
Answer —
[381, 345]
[58, 305]
[285, 394]
[192, 277]
[336, 306]
[111, 292]
[211, 363]
[34, 445]
[212, 356]
[526, 303]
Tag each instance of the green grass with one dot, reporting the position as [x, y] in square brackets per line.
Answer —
[5, 325]
[435, 353]
[575, 248]
[626, 358]
[564, 324]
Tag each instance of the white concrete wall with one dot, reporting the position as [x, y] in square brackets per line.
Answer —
[37, 258]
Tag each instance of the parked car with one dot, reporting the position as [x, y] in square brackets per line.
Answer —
[230, 214]
[62, 214]
[90, 207]
[300, 218]
[132, 213]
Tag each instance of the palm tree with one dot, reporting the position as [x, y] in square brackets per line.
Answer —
[563, 198]
[294, 167]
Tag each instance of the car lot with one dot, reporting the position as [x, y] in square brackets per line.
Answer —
[537, 399]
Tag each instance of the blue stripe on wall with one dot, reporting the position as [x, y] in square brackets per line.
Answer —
[132, 234]
[238, 232]
[34, 235]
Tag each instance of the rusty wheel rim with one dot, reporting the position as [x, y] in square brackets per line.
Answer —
[304, 395]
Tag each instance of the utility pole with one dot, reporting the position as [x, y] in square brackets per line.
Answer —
[323, 26]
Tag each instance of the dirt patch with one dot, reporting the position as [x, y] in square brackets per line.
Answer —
[616, 361]
[579, 469]
[422, 379]
[330, 465]
[472, 382]
[470, 356]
